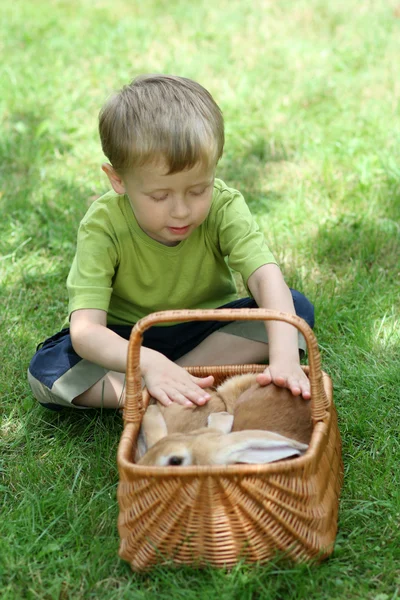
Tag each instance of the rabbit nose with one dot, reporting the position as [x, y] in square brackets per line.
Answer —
[175, 461]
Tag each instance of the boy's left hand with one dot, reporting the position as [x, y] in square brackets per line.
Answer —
[289, 376]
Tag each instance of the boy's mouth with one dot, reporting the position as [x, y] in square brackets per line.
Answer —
[179, 230]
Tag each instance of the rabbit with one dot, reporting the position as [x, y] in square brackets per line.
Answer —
[273, 408]
[178, 435]
[209, 446]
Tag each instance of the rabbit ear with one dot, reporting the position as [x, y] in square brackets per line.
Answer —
[256, 447]
[222, 421]
[152, 430]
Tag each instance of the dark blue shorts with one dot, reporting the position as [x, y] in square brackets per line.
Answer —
[57, 374]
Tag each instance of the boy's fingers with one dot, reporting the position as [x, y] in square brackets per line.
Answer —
[161, 397]
[264, 378]
[280, 381]
[294, 386]
[179, 398]
[203, 381]
[198, 397]
[188, 395]
[305, 390]
[299, 386]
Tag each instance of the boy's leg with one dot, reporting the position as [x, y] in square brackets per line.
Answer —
[60, 378]
[242, 342]
[185, 343]
[221, 348]
[108, 392]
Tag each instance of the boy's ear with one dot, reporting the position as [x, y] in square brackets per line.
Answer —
[115, 179]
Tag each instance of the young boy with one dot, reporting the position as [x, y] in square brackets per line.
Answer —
[166, 237]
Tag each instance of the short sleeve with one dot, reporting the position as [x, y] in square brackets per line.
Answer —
[96, 260]
[236, 232]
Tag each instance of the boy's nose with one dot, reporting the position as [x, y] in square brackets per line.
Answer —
[180, 209]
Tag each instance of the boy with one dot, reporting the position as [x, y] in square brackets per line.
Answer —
[159, 241]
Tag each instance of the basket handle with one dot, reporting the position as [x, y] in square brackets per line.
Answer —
[133, 396]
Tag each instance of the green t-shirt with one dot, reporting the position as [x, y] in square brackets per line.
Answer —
[120, 269]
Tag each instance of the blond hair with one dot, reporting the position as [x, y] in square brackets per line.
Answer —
[161, 118]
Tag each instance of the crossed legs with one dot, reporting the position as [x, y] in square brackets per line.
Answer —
[219, 348]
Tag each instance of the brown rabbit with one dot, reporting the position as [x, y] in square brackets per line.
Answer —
[208, 446]
[284, 419]
[274, 409]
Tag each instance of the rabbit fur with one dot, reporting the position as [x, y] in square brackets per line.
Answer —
[246, 423]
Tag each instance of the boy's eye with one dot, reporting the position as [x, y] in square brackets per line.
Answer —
[198, 192]
[159, 198]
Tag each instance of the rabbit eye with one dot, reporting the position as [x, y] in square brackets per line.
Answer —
[175, 461]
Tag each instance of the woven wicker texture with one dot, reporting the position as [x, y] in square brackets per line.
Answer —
[219, 515]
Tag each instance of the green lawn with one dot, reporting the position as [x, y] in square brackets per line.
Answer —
[310, 91]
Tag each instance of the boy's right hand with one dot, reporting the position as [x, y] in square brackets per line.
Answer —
[167, 382]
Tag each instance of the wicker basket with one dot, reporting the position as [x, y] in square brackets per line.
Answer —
[213, 515]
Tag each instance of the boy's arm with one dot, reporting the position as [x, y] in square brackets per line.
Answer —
[269, 290]
[166, 381]
[93, 341]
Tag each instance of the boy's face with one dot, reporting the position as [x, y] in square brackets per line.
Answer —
[167, 207]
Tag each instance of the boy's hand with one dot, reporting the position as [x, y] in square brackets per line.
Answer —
[286, 375]
[167, 382]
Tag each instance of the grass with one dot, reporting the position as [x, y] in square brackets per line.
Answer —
[310, 95]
